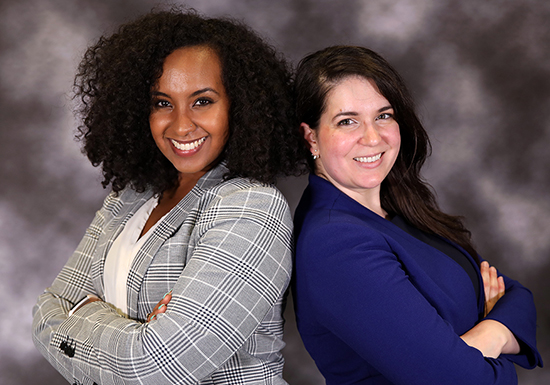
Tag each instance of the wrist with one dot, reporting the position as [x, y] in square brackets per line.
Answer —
[488, 336]
[498, 332]
[84, 301]
[510, 343]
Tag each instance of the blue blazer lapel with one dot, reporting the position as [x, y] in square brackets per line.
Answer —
[423, 263]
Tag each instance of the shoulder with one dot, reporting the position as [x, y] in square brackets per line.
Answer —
[337, 229]
[243, 184]
[115, 206]
[115, 202]
[244, 191]
[246, 197]
[326, 216]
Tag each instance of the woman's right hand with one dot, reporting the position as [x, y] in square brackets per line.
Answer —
[493, 286]
[491, 337]
[160, 307]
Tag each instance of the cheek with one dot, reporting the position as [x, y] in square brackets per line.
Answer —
[397, 139]
[154, 124]
[337, 144]
[392, 136]
[216, 123]
[159, 123]
[158, 135]
[219, 131]
[395, 142]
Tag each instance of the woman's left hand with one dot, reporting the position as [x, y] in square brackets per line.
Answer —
[493, 286]
[160, 307]
[489, 336]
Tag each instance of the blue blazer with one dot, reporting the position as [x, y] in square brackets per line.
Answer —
[374, 305]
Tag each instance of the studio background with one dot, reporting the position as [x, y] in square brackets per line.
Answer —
[479, 71]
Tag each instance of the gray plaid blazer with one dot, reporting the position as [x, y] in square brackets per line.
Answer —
[224, 250]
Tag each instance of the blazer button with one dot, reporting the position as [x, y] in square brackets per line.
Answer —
[70, 351]
[67, 349]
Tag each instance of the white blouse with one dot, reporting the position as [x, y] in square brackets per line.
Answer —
[122, 253]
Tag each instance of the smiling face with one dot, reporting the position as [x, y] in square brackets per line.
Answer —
[357, 140]
[190, 114]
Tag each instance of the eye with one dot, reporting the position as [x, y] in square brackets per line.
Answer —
[202, 102]
[345, 122]
[384, 116]
[161, 103]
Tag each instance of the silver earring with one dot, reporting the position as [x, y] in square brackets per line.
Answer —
[315, 156]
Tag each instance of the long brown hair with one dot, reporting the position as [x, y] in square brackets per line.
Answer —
[403, 192]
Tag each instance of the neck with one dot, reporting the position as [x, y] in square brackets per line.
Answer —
[186, 182]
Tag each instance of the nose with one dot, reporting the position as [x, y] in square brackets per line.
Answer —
[184, 123]
[371, 136]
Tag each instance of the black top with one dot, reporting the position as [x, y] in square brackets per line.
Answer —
[441, 245]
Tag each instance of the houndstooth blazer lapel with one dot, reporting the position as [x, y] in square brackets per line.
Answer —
[165, 229]
[126, 206]
[121, 211]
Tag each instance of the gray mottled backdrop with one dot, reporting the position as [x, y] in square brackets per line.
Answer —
[480, 72]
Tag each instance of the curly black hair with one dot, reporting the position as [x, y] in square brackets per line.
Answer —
[116, 76]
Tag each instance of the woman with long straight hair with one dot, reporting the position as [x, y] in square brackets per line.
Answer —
[389, 289]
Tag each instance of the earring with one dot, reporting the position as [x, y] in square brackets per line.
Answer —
[315, 156]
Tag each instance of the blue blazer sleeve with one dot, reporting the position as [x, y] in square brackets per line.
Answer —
[360, 291]
[516, 310]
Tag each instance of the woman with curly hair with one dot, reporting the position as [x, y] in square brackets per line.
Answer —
[388, 288]
[181, 277]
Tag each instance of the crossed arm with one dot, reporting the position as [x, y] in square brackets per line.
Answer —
[239, 269]
[393, 324]
[491, 337]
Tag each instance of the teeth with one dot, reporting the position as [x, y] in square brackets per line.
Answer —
[368, 159]
[188, 146]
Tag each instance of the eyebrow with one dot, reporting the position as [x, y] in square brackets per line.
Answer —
[353, 113]
[203, 90]
[198, 92]
[158, 93]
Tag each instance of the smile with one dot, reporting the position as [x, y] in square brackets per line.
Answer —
[368, 159]
[188, 146]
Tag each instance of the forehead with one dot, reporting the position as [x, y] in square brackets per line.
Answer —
[354, 90]
[191, 67]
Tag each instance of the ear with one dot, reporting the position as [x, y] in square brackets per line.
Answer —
[309, 135]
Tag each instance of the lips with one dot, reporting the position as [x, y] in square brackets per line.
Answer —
[190, 146]
[368, 159]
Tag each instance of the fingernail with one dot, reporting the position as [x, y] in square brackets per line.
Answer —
[161, 306]
[170, 292]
